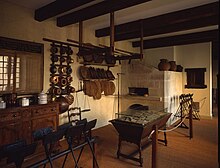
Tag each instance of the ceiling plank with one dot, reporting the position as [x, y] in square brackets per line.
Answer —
[57, 7]
[193, 18]
[98, 9]
[205, 36]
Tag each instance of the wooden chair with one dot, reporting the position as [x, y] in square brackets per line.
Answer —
[73, 136]
[87, 132]
[16, 152]
[48, 142]
[75, 114]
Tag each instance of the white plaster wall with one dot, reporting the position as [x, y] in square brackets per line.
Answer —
[18, 22]
[198, 56]
[153, 56]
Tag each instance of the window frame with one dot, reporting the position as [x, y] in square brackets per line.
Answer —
[21, 48]
[195, 78]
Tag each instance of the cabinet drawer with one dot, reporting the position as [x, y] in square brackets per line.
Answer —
[44, 122]
[11, 117]
[26, 114]
[42, 111]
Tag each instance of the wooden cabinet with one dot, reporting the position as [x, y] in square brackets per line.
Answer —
[20, 122]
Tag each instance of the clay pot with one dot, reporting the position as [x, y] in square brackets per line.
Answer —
[164, 65]
[172, 65]
[179, 68]
[64, 105]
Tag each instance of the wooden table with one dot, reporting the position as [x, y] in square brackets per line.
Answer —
[134, 126]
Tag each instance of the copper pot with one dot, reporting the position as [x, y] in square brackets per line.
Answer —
[68, 60]
[110, 59]
[62, 50]
[69, 79]
[57, 91]
[54, 58]
[71, 89]
[98, 58]
[110, 75]
[54, 79]
[62, 59]
[63, 81]
[53, 69]
[88, 58]
[62, 70]
[53, 49]
[64, 105]
[84, 72]
[70, 99]
[69, 70]
[69, 51]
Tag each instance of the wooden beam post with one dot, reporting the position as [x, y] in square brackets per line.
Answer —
[142, 40]
[190, 122]
[112, 33]
[80, 33]
[154, 146]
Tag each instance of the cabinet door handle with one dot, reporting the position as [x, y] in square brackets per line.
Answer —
[14, 115]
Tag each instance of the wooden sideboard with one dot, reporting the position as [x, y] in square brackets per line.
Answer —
[20, 122]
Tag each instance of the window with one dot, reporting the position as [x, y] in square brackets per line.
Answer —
[7, 76]
[195, 78]
[21, 66]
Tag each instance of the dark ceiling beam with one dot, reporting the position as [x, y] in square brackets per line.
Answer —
[187, 16]
[98, 9]
[193, 24]
[57, 7]
[205, 36]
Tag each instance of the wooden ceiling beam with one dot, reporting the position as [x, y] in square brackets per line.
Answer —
[193, 24]
[157, 23]
[95, 10]
[205, 36]
[57, 7]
